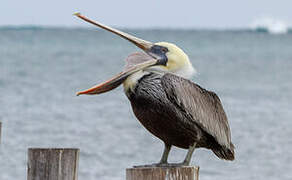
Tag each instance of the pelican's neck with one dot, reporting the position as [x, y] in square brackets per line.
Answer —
[186, 71]
[131, 81]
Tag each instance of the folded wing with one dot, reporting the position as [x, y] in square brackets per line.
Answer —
[204, 107]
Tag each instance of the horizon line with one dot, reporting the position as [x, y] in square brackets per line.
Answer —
[219, 29]
[132, 27]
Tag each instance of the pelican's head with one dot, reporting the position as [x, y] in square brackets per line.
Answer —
[177, 62]
[161, 57]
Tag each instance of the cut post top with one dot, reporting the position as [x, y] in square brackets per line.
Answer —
[162, 173]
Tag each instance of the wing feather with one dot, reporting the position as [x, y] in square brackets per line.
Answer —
[203, 106]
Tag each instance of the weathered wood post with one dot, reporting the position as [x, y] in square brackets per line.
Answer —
[52, 164]
[0, 131]
[163, 173]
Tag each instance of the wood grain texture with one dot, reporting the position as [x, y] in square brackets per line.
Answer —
[52, 164]
[0, 131]
[163, 173]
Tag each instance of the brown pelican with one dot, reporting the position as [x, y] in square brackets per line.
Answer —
[173, 108]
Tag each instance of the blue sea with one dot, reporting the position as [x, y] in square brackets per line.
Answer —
[42, 68]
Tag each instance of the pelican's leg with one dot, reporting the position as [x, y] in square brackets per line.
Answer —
[163, 161]
[165, 154]
[187, 160]
[188, 157]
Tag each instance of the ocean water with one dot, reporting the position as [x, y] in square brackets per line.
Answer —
[41, 69]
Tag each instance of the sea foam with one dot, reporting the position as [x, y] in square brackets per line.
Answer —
[270, 25]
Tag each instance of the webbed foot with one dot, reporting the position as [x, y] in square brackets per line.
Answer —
[162, 165]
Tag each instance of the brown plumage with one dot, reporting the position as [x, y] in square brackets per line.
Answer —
[180, 113]
[174, 109]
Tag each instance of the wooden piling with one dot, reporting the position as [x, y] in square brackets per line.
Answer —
[163, 173]
[52, 164]
[0, 131]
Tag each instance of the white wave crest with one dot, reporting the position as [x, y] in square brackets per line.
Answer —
[271, 25]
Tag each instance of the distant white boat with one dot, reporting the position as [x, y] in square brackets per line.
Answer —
[270, 25]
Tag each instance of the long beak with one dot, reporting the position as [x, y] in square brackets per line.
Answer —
[119, 78]
[145, 45]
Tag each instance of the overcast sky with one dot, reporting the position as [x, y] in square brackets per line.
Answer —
[145, 13]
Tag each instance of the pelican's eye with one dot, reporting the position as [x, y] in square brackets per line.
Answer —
[159, 53]
[164, 49]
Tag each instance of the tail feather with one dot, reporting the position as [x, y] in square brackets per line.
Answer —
[225, 153]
